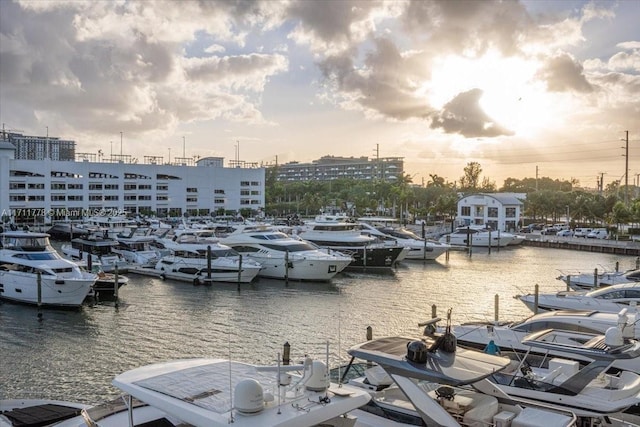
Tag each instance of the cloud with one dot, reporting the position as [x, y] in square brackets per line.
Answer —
[463, 115]
[108, 67]
[562, 73]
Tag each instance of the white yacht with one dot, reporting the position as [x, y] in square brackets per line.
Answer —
[100, 248]
[419, 248]
[609, 298]
[25, 256]
[283, 256]
[507, 337]
[477, 236]
[432, 382]
[199, 253]
[589, 391]
[134, 246]
[346, 237]
[219, 392]
[581, 281]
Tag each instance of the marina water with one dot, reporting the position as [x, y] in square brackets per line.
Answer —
[74, 355]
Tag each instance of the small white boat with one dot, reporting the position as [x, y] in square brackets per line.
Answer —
[609, 299]
[27, 257]
[477, 236]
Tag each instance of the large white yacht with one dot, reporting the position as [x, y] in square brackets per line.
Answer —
[134, 246]
[285, 257]
[419, 248]
[25, 256]
[98, 247]
[346, 237]
[189, 255]
[477, 236]
[609, 298]
[220, 392]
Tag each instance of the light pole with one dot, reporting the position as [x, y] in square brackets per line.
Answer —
[568, 221]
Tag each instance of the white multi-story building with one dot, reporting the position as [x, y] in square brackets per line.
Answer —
[329, 168]
[70, 190]
[500, 211]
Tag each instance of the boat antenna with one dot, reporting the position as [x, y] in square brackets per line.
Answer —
[231, 419]
[339, 348]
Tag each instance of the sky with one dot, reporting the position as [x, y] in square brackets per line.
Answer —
[521, 87]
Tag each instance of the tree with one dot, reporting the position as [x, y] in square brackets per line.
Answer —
[471, 178]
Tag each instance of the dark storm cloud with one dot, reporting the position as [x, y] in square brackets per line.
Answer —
[463, 115]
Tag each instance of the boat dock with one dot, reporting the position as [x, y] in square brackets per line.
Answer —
[616, 247]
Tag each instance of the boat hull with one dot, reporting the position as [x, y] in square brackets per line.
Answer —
[55, 292]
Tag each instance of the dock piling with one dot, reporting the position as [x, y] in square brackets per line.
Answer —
[39, 282]
[496, 311]
[535, 299]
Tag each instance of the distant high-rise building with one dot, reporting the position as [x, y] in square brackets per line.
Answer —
[40, 147]
[328, 168]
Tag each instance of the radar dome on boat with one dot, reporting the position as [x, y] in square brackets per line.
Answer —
[613, 337]
[248, 396]
[319, 379]
[417, 352]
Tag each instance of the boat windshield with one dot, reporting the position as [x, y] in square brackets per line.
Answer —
[26, 243]
[401, 233]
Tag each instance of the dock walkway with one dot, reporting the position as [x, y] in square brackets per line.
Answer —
[588, 245]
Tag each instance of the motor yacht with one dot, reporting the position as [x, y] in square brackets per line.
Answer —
[283, 256]
[346, 237]
[100, 248]
[430, 381]
[589, 391]
[419, 248]
[609, 298]
[220, 392]
[135, 247]
[26, 259]
[508, 336]
[477, 236]
[198, 253]
[588, 281]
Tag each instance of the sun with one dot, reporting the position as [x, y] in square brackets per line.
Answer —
[512, 96]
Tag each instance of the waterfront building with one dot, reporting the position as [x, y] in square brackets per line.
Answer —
[40, 147]
[329, 168]
[500, 211]
[46, 190]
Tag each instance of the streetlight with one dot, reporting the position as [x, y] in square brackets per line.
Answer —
[568, 215]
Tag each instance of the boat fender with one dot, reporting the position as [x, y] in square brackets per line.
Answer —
[196, 281]
[163, 276]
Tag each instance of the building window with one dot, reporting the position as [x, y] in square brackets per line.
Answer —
[161, 197]
[244, 192]
[144, 187]
[58, 197]
[130, 187]
[111, 186]
[192, 199]
[492, 212]
[465, 211]
[218, 191]
[479, 210]
[244, 183]
[39, 186]
[17, 186]
[192, 190]
[74, 186]
[510, 212]
[147, 197]
[255, 183]
[162, 187]
[77, 198]
[218, 201]
[95, 187]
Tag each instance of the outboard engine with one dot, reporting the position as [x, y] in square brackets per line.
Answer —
[417, 352]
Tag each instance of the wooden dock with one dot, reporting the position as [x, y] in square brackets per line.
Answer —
[587, 245]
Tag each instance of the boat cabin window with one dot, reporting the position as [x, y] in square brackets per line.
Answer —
[617, 294]
[38, 256]
[293, 247]
[245, 249]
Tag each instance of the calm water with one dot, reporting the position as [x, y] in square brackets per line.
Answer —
[75, 355]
